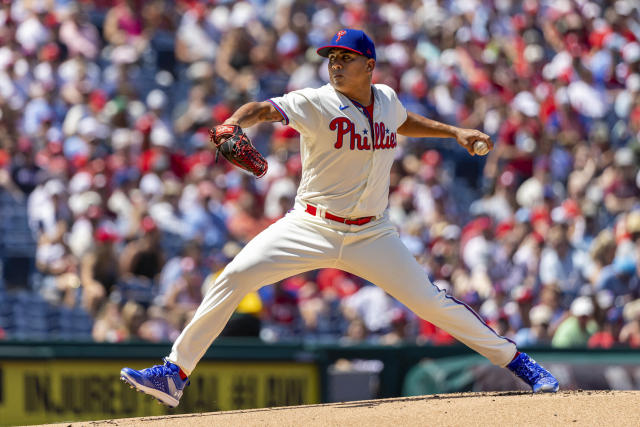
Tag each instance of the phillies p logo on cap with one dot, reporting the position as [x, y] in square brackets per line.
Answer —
[353, 40]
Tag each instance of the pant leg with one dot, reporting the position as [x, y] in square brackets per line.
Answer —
[379, 256]
[290, 246]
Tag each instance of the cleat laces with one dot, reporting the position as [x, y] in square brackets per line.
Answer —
[159, 371]
[525, 370]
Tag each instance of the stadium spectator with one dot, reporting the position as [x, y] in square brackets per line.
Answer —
[158, 326]
[576, 330]
[79, 35]
[373, 306]
[558, 264]
[185, 292]
[609, 334]
[630, 332]
[109, 324]
[195, 112]
[198, 34]
[124, 28]
[99, 269]
[283, 315]
[538, 333]
[140, 263]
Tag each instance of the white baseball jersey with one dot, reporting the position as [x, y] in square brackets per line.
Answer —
[336, 133]
[346, 173]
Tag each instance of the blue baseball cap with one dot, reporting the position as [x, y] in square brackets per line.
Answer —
[354, 40]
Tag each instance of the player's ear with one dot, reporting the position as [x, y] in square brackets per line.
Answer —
[371, 64]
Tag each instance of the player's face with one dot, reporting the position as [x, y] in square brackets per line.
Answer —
[348, 69]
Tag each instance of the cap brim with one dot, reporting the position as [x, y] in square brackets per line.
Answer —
[324, 50]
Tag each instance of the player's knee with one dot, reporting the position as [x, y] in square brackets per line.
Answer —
[429, 302]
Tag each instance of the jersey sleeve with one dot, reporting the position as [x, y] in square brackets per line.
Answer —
[396, 109]
[298, 110]
[400, 111]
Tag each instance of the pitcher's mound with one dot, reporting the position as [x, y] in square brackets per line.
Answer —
[610, 408]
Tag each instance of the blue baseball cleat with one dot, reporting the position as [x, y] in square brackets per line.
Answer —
[529, 371]
[160, 381]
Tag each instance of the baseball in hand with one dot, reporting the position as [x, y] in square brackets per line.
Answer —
[480, 148]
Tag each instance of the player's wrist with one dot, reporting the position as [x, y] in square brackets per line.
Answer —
[232, 122]
[456, 132]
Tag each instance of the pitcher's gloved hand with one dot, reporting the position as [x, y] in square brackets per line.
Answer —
[236, 147]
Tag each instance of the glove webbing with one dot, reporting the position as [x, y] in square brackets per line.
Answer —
[250, 158]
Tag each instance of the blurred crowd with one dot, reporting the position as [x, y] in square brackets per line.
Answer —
[105, 108]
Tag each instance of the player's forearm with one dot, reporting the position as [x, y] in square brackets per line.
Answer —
[253, 113]
[417, 126]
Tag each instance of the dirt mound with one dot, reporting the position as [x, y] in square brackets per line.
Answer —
[611, 408]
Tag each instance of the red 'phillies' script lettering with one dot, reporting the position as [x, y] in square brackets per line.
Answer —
[365, 144]
[381, 139]
[356, 139]
[374, 137]
[343, 126]
[380, 136]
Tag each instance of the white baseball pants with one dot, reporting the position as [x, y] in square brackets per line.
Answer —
[301, 242]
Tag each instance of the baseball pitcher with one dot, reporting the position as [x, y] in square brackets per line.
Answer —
[348, 134]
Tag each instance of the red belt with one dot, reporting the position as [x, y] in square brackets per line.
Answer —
[357, 221]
